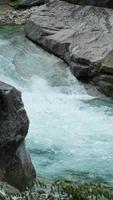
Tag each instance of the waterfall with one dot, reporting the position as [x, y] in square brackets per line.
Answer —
[71, 132]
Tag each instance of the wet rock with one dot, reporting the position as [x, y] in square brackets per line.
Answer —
[105, 88]
[8, 190]
[107, 64]
[16, 167]
[80, 71]
[29, 3]
[22, 3]
[104, 77]
[101, 3]
[82, 36]
[104, 83]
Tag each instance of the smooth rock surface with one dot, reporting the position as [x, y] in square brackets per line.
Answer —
[16, 167]
[82, 36]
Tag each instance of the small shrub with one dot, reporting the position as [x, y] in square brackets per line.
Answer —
[67, 190]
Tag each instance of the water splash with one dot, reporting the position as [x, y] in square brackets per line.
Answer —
[70, 132]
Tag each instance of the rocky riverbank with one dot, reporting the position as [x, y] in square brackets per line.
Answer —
[83, 37]
[8, 15]
[80, 35]
[65, 30]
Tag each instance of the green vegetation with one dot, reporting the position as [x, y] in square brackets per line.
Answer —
[64, 190]
[67, 190]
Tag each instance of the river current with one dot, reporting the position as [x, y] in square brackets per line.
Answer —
[71, 132]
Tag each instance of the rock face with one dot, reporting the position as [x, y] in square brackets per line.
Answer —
[101, 3]
[82, 36]
[29, 3]
[15, 164]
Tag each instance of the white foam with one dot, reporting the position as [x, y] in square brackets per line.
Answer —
[69, 130]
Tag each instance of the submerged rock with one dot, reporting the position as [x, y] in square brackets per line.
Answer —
[16, 167]
[81, 35]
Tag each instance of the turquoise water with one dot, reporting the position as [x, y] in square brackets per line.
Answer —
[71, 132]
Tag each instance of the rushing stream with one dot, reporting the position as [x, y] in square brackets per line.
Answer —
[71, 132]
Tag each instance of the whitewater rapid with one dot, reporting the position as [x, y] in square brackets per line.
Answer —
[71, 132]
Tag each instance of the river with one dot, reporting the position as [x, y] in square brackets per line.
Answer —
[71, 132]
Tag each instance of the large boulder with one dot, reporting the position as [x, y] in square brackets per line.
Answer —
[101, 3]
[80, 35]
[16, 167]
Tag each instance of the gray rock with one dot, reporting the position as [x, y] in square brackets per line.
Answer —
[15, 165]
[29, 3]
[4, 2]
[80, 71]
[105, 84]
[104, 77]
[107, 64]
[20, 171]
[82, 36]
[101, 3]
[8, 191]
